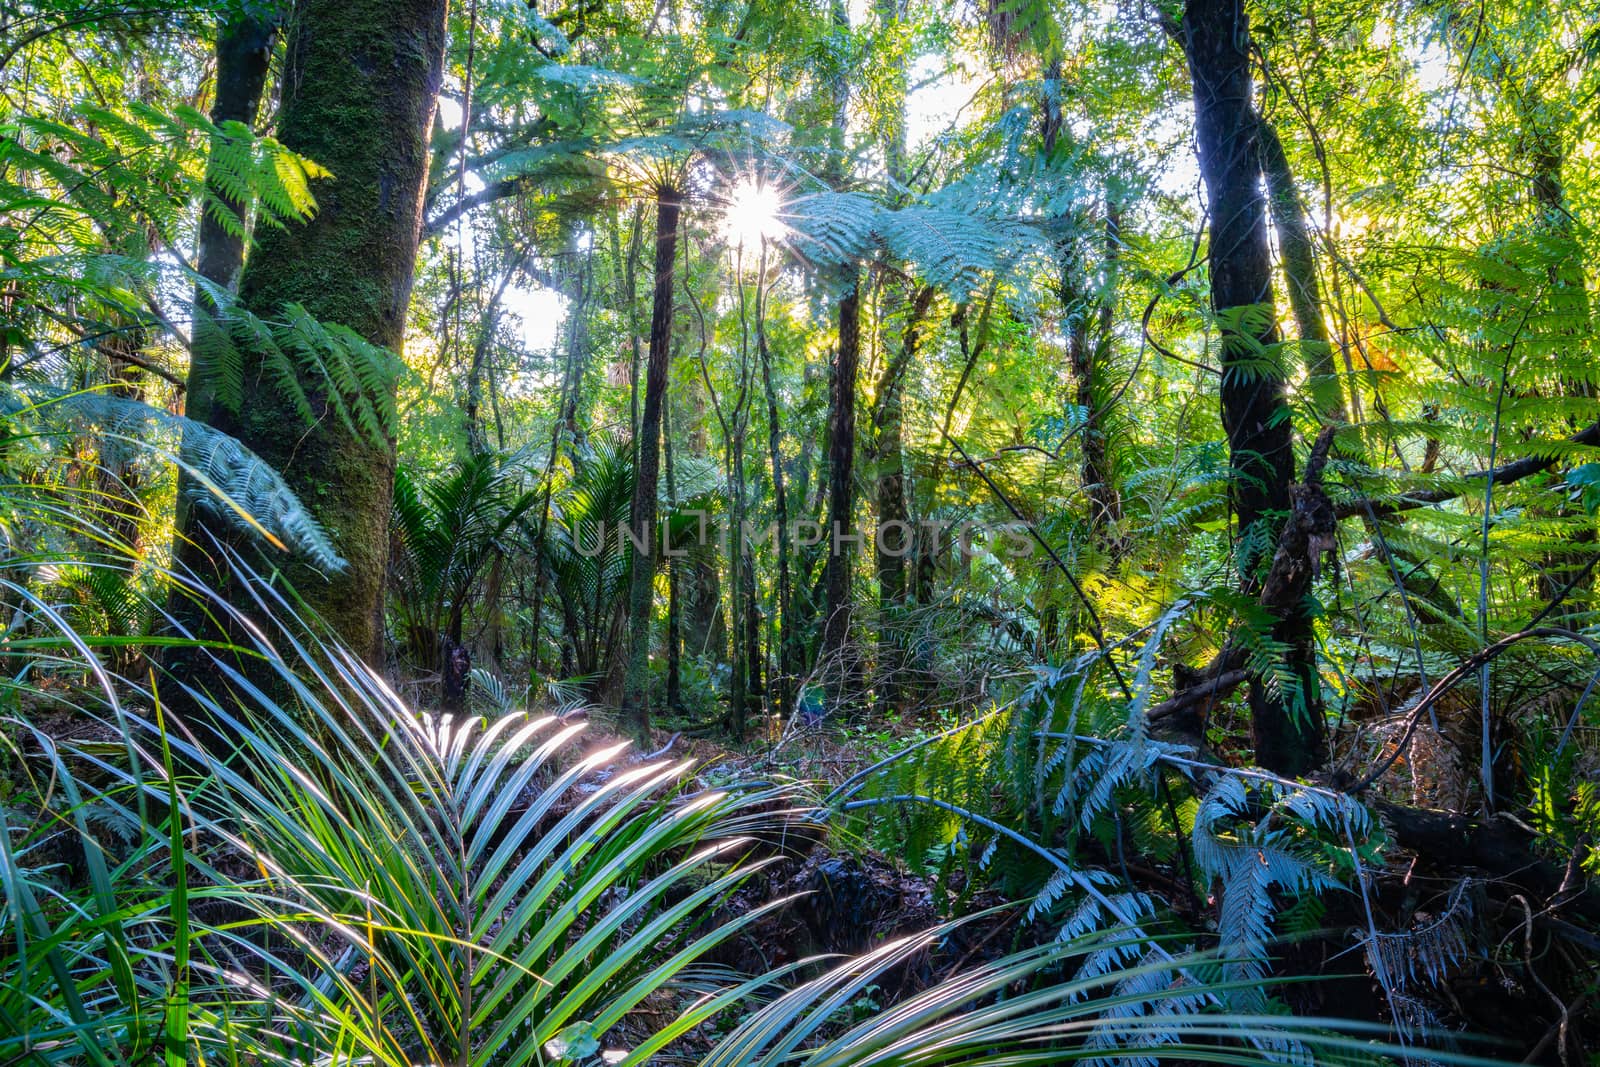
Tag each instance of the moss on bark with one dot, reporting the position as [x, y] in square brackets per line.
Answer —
[360, 84]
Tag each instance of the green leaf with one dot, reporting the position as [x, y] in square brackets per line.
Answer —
[1586, 479]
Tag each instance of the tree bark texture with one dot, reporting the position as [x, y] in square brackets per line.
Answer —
[841, 491]
[361, 81]
[641, 602]
[1288, 730]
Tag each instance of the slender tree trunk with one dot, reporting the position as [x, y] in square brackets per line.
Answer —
[243, 53]
[705, 633]
[565, 424]
[895, 534]
[477, 439]
[1098, 467]
[674, 608]
[783, 695]
[893, 537]
[1091, 310]
[630, 281]
[636, 684]
[360, 85]
[752, 644]
[841, 494]
[802, 503]
[832, 651]
[1288, 727]
[738, 675]
[930, 540]
[744, 689]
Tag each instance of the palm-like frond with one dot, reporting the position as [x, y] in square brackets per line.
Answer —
[945, 242]
[446, 530]
[433, 889]
[588, 559]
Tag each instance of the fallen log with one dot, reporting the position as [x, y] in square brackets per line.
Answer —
[1499, 846]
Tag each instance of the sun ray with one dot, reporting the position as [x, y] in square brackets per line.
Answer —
[753, 215]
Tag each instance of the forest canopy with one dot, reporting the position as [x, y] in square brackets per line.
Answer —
[858, 532]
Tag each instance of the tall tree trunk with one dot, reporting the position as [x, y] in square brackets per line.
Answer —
[705, 632]
[752, 644]
[674, 607]
[636, 685]
[1288, 729]
[565, 424]
[787, 660]
[630, 283]
[895, 534]
[744, 683]
[893, 538]
[244, 53]
[1092, 309]
[832, 654]
[360, 85]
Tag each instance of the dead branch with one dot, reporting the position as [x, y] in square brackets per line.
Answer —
[1511, 472]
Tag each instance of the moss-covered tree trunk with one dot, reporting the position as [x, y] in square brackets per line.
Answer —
[1286, 720]
[642, 517]
[361, 81]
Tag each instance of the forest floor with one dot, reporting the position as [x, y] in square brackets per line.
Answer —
[848, 897]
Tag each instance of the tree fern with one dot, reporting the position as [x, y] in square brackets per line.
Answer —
[152, 161]
[1251, 854]
[950, 248]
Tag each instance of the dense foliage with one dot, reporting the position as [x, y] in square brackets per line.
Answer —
[1132, 467]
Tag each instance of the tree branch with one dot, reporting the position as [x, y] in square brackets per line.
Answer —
[1511, 472]
[1306, 537]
